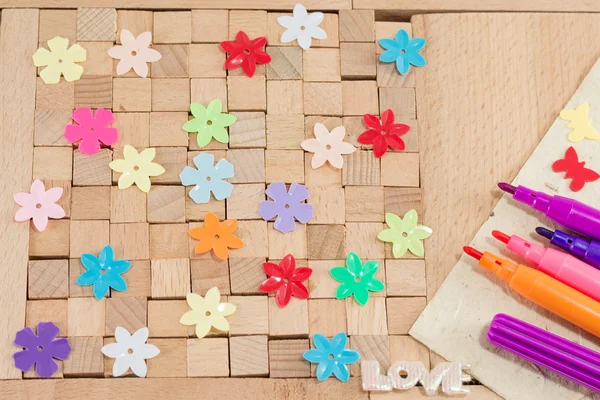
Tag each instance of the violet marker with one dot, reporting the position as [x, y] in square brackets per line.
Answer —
[546, 350]
[587, 251]
[569, 213]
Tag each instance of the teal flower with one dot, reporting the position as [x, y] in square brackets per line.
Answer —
[332, 356]
[103, 272]
[357, 279]
[403, 51]
[209, 123]
[208, 178]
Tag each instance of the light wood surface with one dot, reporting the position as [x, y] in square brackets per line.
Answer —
[478, 5]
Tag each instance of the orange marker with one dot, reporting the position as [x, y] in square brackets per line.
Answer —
[543, 290]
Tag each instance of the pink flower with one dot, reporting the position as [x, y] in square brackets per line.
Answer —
[91, 129]
[39, 205]
[134, 53]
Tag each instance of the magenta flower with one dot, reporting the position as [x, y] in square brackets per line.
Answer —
[286, 206]
[92, 129]
[39, 205]
[40, 349]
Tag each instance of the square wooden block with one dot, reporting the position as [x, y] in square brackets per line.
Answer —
[52, 163]
[286, 63]
[98, 62]
[320, 284]
[172, 360]
[61, 23]
[401, 100]
[86, 358]
[387, 30]
[388, 76]
[166, 204]
[253, 23]
[251, 316]
[208, 357]
[361, 238]
[92, 170]
[203, 91]
[285, 132]
[293, 242]
[249, 356]
[322, 65]
[169, 241]
[174, 62]
[134, 129]
[358, 60]
[207, 274]
[52, 242]
[210, 26]
[50, 127]
[90, 202]
[88, 237]
[165, 129]
[328, 205]
[291, 321]
[127, 312]
[164, 316]
[75, 270]
[206, 61]
[323, 98]
[247, 94]
[94, 91]
[127, 205]
[65, 199]
[324, 177]
[96, 24]
[254, 235]
[361, 168]
[60, 96]
[173, 27]
[330, 25]
[285, 97]
[139, 281]
[249, 165]
[326, 317]
[130, 240]
[403, 312]
[326, 242]
[285, 358]
[357, 26]
[132, 94]
[197, 212]
[246, 275]
[360, 97]
[47, 310]
[400, 169]
[369, 319]
[135, 21]
[173, 160]
[284, 166]
[244, 194]
[371, 347]
[248, 131]
[48, 279]
[170, 278]
[404, 347]
[401, 200]
[86, 316]
[364, 204]
[170, 94]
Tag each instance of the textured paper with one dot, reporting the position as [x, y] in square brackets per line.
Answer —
[455, 322]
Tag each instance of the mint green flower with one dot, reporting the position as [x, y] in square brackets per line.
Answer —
[357, 279]
[209, 123]
[405, 234]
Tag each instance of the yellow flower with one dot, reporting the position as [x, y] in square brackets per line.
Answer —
[207, 312]
[136, 168]
[60, 60]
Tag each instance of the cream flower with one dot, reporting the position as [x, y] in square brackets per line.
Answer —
[302, 27]
[207, 312]
[59, 60]
[134, 53]
[136, 168]
[328, 146]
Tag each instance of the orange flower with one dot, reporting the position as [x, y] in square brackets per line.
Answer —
[216, 236]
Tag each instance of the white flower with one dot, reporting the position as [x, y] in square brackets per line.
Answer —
[302, 27]
[130, 351]
[134, 53]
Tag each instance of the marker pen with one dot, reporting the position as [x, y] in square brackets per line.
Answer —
[569, 213]
[544, 291]
[586, 250]
[556, 264]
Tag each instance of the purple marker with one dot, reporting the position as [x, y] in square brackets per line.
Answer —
[569, 213]
[587, 251]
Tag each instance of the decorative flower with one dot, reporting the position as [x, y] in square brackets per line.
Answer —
[40, 349]
[383, 133]
[134, 53]
[357, 279]
[209, 123]
[286, 206]
[332, 356]
[245, 53]
[60, 60]
[216, 236]
[130, 351]
[103, 272]
[208, 178]
[403, 51]
[302, 27]
[136, 168]
[405, 234]
[207, 312]
[39, 205]
[286, 280]
[328, 146]
[92, 129]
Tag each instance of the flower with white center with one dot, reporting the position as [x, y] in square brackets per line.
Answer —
[130, 351]
[302, 27]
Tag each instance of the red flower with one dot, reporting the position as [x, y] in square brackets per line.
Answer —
[245, 53]
[383, 133]
[286, 280]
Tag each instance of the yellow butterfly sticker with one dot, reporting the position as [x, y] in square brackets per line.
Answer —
[580, 124]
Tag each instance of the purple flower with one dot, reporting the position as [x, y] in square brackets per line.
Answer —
[286, 205]
[40, 349]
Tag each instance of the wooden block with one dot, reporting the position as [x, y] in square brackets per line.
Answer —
[360, 97]
[50, 127]
[61, 23]
[285, 97]
[361, 238]
[364, 204]
[249, 165]
[285, 358]
[206, 90]
[135, 21]
[310, 122]
[246, 275]
[323, 177]
[401, 100]
[96, 24]
[164, 316]
[207, 274]
[326, 242]
[359, 60]
[274, 30]
[134, 129]
[168, 241]
[90, 202]
[254, 235]
[284, 166]
[361, 168]
[48, 279]
[284, 131]
[251, 316]
[244, 194]
[197, 212]
[357, 26]
[173, 27]
[369, 319]
[291, 321]
[52, 163]
[326, 316]
[173, 160]
[166, 204]
[371, 347]
[165, 129]
[286, 63]
[388, 76]
[254, 23]
[75, 270]
[330, 25]
[206, 61]
[139, 281]
[355, 126]
[210, 26]
[172, 360]
[94, 91]
[132, 94]
[88, 237]
[403, 312]
[173, 63]
[323, 98]
[404, 347]
[208, 357]
[322, 65]
[400, 169]
[97, 62]
[60, 96]
[170, 94]
[52, 242]
[86, 358]
[65, 199]
[127, 312]
[400, 200]
[248, 131]
[170, 278]
[328, 206]
[86, 316]
[47, 310]
[292, 242]
[388, 30]
[130, 240]
[245, 93]
[249, 356]
[127, 205]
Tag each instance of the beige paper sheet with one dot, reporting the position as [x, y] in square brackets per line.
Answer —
[455, 322]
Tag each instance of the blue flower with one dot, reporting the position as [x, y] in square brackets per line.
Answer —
[208, 178]
[331, 356]
[103, 272]
[403, 51]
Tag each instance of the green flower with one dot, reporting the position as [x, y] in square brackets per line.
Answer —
[405, 234]
[357, 279]
[209, 123]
